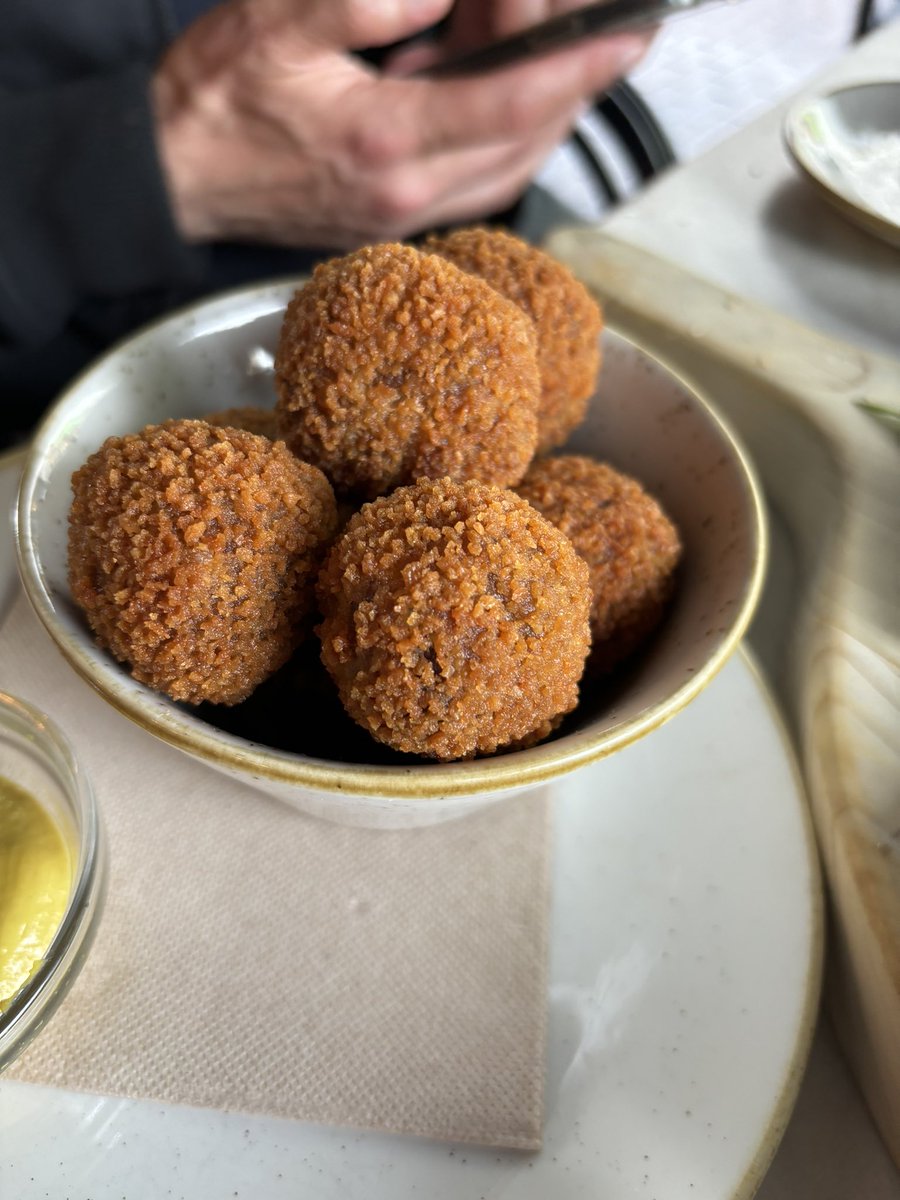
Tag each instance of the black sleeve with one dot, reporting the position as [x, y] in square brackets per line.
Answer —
[84, 211]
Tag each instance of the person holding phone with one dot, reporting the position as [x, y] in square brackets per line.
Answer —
[145, 148]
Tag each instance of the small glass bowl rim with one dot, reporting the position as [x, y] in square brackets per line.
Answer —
[37, 1000]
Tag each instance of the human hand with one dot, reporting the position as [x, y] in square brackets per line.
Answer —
[271, 130]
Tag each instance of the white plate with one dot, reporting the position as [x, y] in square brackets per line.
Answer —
[686, 952]
[847, 142]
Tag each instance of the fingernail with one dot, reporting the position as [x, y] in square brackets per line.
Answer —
[399, 10]
[419, 8]
[629, 51]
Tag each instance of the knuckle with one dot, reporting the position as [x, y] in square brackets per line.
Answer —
[374, 144]
[398, 200]
[522, 113]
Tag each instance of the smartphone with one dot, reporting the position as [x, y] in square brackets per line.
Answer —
[610, 16]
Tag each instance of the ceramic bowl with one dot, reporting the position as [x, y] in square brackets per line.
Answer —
[847, 143]
[216, 355]
[36, 757]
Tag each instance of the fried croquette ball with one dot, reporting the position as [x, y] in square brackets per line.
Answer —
[455, 619]
[193, 552]
[567, 319]
[249, 418]
[394, 364]
[629, 544]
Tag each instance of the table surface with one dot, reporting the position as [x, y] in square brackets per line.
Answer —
[742, 217]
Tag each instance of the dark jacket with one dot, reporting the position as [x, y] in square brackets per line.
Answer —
[88, 247]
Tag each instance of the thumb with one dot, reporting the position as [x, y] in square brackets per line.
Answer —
[359, 24]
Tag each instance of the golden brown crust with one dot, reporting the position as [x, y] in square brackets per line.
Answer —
[629, 544]
[192, 551]
[455, 619]
[394, 364]
[566, 317]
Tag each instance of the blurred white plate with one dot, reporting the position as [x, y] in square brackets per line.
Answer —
[847, 142]
[686, 953]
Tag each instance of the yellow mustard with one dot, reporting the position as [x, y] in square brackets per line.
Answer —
[35, 879]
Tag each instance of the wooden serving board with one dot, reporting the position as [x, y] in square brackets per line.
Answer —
[832, 472]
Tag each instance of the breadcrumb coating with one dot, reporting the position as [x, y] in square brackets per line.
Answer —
[394, 364]
[249, 418]
[193, 551]
[567, 319]
[455, 619]
[629, 544]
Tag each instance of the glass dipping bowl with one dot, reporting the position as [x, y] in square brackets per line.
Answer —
[35, 756]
